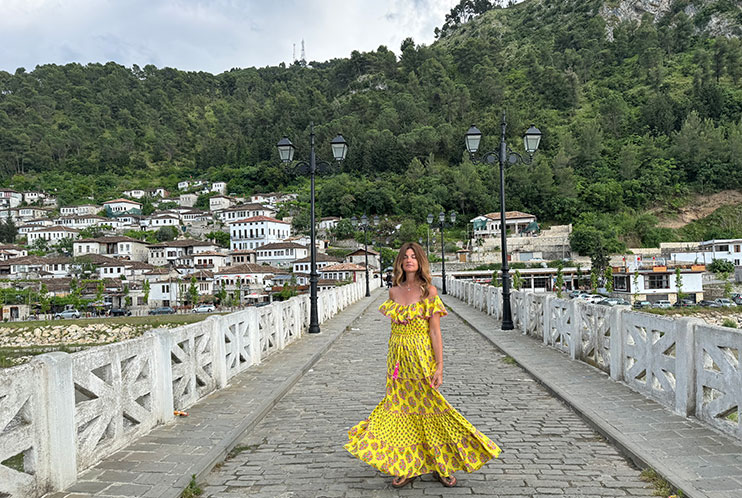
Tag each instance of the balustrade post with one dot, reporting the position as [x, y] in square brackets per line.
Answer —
[618, 338]
[59, 454]
[574, 334]
[219, 350]
[685, 365]
[548, 302]
[252, 322]
[162, 394]
[281, 334]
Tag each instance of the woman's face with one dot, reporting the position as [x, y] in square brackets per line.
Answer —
[409, 262]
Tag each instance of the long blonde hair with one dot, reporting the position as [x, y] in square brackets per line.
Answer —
[423, 267]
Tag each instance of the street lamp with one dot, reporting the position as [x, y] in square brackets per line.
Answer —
[442, 222]
[530, 141]
[364, 225]
[286, 153]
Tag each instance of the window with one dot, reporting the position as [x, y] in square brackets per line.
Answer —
[724, 248]
[661, 281]
[621, 283]
[737, 248]
[166, 288]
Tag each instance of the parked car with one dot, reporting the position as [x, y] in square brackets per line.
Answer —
[709, 304]
[724, 302]
[595, 298]
[67, 314]
[662, 304]
[642, 304]
[119, 312]
[737, 300]
[204, 308]
[162, 310]
[684, 303]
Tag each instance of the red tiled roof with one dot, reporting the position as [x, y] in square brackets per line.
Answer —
[259, 218]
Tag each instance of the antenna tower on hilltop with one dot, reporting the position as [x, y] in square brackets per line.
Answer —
[303, 54]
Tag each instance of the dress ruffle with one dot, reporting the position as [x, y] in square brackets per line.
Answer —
[405, 313]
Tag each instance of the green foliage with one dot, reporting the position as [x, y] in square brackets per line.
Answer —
[220, 238]
[721, 266]
[192, 490]
[635, 284]
[629, 123]
[608, 277]
[517, 280]
[193, 291]
[146, 288]
[559, 281]
[679, 282]
[8, 231]
[594, 279]
[164, 234]
[728, 322]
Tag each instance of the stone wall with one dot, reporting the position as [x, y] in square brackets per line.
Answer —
[62, 413]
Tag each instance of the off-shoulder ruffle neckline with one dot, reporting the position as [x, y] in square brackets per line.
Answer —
[404, 313]
[412, 304]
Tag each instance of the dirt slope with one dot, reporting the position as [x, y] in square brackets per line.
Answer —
[699, 207]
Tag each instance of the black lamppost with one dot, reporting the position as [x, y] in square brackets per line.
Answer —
[531, 141]
[364, 225]
[442, 220]
[286, 152]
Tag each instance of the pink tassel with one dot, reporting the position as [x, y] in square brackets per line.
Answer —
[396, 371]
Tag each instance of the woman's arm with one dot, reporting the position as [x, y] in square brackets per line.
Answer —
[437, 341]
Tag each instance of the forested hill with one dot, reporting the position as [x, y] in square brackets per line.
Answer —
[644, 112]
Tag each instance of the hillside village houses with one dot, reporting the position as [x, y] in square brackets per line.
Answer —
[488, 225]
[263, 253]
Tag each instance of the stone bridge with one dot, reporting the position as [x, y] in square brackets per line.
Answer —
[580, 398]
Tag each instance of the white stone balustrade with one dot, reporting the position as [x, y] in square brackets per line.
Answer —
[62, 413]
[683, 363]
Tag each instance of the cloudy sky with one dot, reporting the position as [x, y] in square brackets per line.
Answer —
[207, 35]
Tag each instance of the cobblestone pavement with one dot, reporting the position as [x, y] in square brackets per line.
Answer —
[297, 450]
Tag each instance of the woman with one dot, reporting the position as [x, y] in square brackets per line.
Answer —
[414, 431]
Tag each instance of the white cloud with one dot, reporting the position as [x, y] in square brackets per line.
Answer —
[206, 35]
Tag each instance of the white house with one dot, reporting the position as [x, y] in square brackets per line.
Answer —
[220, 187]
[121, 206]
[116, 247]
[187, 200]
[82, 210]
[210, 260]
[281, 254]
[247, 282]
[359, 257]
[161, 220]
[159, 192]
[344, 271]
[726, 249]
[488, 225]
[32, 197]
[242, 256]
[135, 193]
[653, 283]
[322, 260]
[253, 232]
[51, 234]
[32, 212]
[178, 252]
[183, 185]
[84, 221]
[328, 223]
[10, 198]
[220, 202]
[245, 211]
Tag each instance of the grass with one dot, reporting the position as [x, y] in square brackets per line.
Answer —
[192, 490]
[15, 462]
[692, 311]
[510, 360]
[661, 486]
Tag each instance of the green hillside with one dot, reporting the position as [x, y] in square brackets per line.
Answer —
[639, 120]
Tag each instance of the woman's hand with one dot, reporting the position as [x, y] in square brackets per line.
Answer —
[437, 379]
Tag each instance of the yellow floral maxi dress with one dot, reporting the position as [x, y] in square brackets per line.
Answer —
[414, 430]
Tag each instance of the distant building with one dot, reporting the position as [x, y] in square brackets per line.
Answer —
[220, 202]
[220, 187]
[253, 232]
[303, 265]
[345, 271]
[183, 185]
[117, 207]
[359, 257]
[329, 222]
[10, 198]
[489, 225]
[177, 252]
[115, 247]
[726, 249]
[241, 211]
[242, 256]
[654, 283]
[135, 194]
[51, 234]
[187, 200]
[281, 254]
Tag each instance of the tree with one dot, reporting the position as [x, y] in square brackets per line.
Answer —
[559, 281]
[193, 291]
[165, 234]
[608, 276]
[219, 238]
[679, 283]
[594, 280]
[146, 290]
[64, 246]
[517, 280]
[8, 231]
[636, 285]
[221, 294]
[720, 266]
